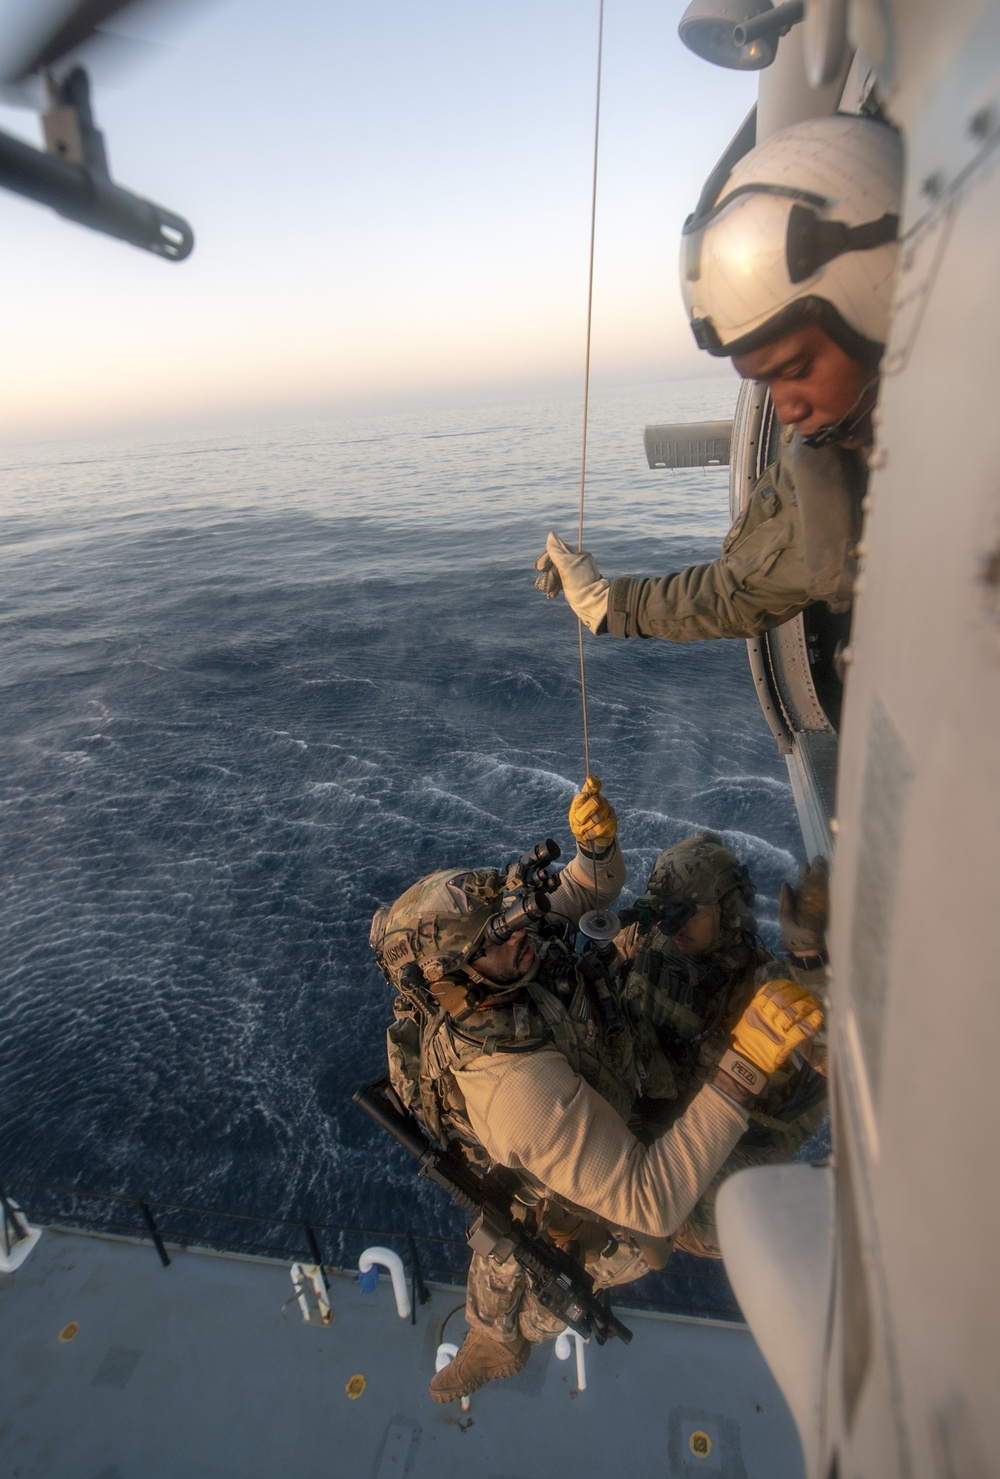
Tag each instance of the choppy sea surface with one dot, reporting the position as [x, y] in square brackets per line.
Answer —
[254, 683]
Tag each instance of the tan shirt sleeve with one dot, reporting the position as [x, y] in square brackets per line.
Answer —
[532, 1112]
[758, 582]
[588, 883]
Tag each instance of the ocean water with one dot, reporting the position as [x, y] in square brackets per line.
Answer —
[254, 683]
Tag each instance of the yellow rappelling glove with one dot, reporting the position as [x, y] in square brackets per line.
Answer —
[781, 1017]
[592, 818]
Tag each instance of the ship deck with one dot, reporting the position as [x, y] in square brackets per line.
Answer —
[206, 1370]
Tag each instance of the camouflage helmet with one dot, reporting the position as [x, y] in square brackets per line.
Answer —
[437, 923]
[703, 869]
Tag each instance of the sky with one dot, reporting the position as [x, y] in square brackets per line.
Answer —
[389, 201]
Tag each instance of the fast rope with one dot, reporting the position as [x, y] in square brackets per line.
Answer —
[586, 373]
[586, 389]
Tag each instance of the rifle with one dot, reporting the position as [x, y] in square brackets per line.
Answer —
[561, 1284]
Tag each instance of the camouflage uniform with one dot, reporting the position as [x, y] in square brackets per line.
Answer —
[499, 1300]
[683, 1008]
[562, 1005]
[565, 1011]
[792, 544]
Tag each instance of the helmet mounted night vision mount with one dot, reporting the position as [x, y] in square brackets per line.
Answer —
[526, 889]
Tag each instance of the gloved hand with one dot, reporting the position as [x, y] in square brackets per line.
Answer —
[781, 1016]
[803, 911]
[576, 575]
[592, 818]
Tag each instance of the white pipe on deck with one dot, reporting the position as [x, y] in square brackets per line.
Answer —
[563, 1348]
[391, 1261]
[446, 1353]
[17, 1239]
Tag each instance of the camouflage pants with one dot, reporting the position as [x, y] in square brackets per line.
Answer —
[698, 1233]
[500, 1303]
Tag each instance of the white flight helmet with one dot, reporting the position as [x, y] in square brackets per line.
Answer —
[801, 231]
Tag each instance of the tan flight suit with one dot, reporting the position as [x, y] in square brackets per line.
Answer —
[792, 544]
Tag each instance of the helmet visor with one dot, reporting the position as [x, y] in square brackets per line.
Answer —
[735, 268]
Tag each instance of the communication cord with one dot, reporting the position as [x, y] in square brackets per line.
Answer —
[586, 385]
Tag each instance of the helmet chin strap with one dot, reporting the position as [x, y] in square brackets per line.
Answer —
[847, 426]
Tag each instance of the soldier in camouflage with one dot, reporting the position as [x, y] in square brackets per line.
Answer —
[694, 961]
[523, 1054]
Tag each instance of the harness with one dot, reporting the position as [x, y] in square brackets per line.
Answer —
[570, 1004]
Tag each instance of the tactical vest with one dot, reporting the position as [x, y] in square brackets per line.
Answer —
[684, 1007]
[563, 1006]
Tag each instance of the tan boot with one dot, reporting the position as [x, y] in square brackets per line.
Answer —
[480, 1360]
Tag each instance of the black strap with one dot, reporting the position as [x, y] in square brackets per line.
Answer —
[808, 962]
[811, 243]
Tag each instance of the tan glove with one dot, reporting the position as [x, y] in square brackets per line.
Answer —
[576, 575]
[803, 911]
[592, 818]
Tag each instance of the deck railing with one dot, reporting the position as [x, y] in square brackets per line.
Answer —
[689, 1286]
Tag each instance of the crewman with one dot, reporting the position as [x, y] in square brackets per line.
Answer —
[694, 961]
[787, 267]
[521, 1052]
